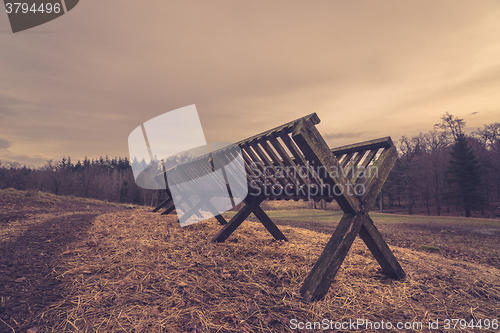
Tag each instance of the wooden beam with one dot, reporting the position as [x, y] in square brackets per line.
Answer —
[363, 165]
[316, 150]
[321, 276]
[214, 212]
[266, 221]
[163, 204]
[366, 145]
[287, 160]
[234, 223]
[221, 219]
[380, 170]
[170, 207]
[380, 250]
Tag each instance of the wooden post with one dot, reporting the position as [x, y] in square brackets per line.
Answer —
[380, 250]
[321, 276]
[266, 221]
[235, 222]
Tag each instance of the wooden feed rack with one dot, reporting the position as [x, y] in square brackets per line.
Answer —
[353, 175]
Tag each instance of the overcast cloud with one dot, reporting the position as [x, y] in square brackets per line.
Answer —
[77, 86]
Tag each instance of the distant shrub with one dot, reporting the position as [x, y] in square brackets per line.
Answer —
[31, 193]
[430, 248]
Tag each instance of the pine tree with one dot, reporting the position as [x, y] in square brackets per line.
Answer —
[464, 177]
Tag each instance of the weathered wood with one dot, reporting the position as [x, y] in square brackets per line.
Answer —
[325, 167]
[352, 166]
[163, 204]
[300, 159]
[313, 117]
[320, 278]
[269, 165]
[250, 172]
[362, 167]
[266, 221]
[366, 145]
[380, 250]
[276, 162]
[169, 208]
[221, 219]
[376, 181]
[315, 149]
[287, 160]
[254, 164]
[234, 223]
[214, 211]
[195, 210]
[345, 160]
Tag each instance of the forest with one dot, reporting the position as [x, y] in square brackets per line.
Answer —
[445, 171]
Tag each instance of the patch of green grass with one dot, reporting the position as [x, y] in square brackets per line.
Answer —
[430, 248]
[442, 220]
[471, 239]
[301, 215]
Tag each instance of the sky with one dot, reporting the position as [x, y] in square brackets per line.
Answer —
[79, 85]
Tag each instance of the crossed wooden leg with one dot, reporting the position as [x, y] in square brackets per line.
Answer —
[251, 206]
[321, 276]
[169, 206]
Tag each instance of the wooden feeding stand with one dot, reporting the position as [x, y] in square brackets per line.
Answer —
[293, 162]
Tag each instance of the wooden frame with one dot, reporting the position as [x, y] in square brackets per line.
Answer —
[359, 171]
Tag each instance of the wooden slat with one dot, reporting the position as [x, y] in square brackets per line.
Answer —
[299, 158]
[277, 161]
[286, 127]
[363, 146]
[226, 159]
[287, 161]
[376, 181]
[248, 163]
[268, 164]
[354, 164]
[313, 117]
[346, 160]
[235, 222]
[315, 149]
[266, 221]
[363, 166]
[260, 165]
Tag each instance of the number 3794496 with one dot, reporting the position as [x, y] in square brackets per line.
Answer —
[20, 7]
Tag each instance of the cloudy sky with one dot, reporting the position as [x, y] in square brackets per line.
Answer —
[77, 86]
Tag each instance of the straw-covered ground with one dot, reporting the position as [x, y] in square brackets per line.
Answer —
[103, 268]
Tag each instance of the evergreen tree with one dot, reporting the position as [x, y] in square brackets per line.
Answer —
[464, 177]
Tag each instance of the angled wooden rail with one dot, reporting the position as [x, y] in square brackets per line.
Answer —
[293, 162]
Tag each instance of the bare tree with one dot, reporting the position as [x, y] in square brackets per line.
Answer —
[450, 123]
[489, 135]
[434, 161]
[408, 149]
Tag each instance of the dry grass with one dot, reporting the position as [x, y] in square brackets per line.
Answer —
[141, 272]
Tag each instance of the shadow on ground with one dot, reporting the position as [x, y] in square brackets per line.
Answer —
[32, 239]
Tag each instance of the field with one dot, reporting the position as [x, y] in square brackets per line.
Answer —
[468, 239]
[75, 265]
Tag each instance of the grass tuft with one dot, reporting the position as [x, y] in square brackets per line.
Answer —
[430, 248]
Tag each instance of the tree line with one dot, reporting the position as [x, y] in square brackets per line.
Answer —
[103, 178]
[446, 171]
